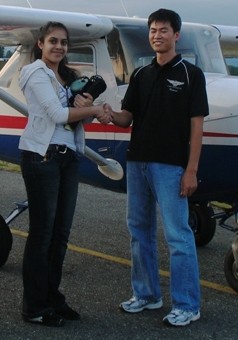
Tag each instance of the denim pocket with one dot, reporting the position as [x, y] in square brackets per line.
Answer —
[33, 164]
[36, 158]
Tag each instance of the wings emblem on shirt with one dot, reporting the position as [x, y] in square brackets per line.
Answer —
[175, 83]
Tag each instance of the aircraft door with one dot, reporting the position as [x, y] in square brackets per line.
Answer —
[88, 60]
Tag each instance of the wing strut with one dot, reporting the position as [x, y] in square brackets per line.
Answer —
[107, 166]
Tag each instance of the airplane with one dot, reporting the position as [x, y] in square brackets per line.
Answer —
[113, 47]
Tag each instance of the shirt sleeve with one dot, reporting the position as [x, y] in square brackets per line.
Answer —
[198, 101]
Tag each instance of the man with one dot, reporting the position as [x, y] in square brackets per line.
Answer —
[166, 101]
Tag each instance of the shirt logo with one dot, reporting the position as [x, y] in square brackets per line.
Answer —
[174, 85]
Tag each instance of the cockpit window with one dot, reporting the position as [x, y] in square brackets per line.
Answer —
[81, 59]
[232, 65]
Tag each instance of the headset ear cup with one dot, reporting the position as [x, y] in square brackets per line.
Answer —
[5, 241]
[78, 85]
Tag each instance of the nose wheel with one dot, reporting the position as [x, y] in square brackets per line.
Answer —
[5, 232]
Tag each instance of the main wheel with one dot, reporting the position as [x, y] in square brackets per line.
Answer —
[5, 241]
[231, 270]
[202, 223]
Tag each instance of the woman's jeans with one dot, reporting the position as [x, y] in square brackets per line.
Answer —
[147, 184]
[52, 187]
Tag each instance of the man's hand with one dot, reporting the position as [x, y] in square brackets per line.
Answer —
[189, 183]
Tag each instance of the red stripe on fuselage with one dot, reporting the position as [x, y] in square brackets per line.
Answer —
[11, 122]
[14, 122]
[220, 134]
[94, 127]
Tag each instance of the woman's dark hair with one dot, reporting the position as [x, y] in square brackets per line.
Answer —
[66, 73]
[166, 15]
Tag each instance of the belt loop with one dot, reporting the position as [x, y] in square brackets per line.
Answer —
[63, 151]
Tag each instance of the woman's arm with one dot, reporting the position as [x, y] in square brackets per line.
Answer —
[44, 94]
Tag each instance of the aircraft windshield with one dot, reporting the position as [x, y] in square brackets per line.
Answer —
[129, 48]
[229, 50]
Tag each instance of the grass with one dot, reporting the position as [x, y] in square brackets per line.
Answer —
[9, 166]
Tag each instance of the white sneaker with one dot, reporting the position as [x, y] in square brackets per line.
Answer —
[135, 305]
[179, 317]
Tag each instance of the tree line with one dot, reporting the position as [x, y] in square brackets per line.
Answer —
[5, 53]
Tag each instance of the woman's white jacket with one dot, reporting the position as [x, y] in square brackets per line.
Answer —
[41, 90]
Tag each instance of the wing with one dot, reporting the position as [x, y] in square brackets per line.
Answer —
[20, 25]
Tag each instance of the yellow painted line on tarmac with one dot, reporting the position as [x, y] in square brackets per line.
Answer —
[99, 254]
[217, 286]
[120, 260]
[19, 232]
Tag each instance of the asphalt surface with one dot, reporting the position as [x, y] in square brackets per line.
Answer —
[96, 276]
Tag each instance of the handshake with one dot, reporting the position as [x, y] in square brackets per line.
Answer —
[104, 116]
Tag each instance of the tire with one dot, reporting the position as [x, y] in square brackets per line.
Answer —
[5, 241]
[202, 223]
[231, 272]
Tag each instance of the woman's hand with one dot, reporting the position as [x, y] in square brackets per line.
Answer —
[83, 101]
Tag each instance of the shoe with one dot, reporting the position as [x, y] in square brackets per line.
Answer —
[179, 317]
[135, 305]
[50, 319]
[67, 313]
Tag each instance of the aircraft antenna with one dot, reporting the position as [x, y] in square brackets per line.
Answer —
[29, 3]
[124, 7]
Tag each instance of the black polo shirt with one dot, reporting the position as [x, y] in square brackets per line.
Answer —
[162, 100]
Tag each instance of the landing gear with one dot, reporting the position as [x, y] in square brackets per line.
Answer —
[202, 223]
[231, 265]
[202, 220]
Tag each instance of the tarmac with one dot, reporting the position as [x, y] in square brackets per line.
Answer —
[96, 276]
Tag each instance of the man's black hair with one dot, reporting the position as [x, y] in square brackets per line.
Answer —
[166, 15]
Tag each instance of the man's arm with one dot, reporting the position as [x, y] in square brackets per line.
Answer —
[189, 179]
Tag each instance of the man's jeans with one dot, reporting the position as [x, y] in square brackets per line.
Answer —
[52, 187]
[148, 184]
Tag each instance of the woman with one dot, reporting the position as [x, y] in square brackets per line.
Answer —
[49, 166]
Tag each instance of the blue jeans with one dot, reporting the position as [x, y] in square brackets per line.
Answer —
[52, 187]
[149, 184]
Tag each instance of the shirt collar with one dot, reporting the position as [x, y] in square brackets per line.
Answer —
[171, 63]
